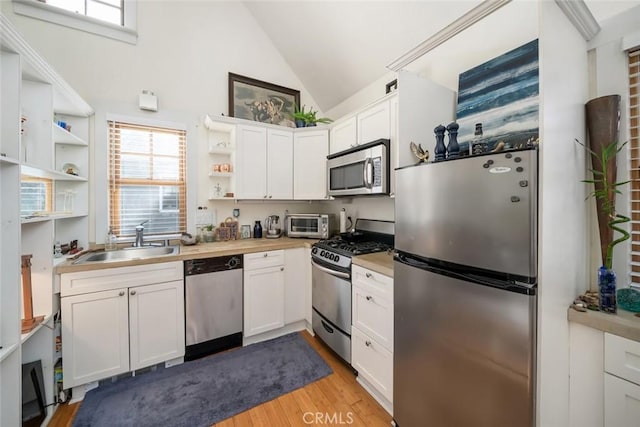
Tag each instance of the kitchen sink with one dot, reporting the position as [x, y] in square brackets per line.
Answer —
[128, 254]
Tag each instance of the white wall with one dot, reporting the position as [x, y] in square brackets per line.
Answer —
[562, 218]
[185, 50]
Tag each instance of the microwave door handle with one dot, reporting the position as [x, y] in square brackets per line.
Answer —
[368, 173]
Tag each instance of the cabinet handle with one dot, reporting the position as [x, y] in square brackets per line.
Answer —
[369, 275]
[121, 293]
[367, 343]
[133, 292]
[270, 197]
[281, 268]
[369, 297]
[264, 197]
[265, 255]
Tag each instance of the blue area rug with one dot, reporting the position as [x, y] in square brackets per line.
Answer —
[208, 390]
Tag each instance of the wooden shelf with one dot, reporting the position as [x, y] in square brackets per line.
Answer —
[38, 172]
[62, 136]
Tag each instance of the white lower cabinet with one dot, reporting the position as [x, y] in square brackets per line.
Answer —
[120, 329]
[621, 381]
[263, 292]
[372, 332]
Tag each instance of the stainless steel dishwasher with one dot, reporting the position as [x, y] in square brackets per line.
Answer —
[213, 305]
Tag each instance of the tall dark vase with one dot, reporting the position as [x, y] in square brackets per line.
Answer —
[603, 119]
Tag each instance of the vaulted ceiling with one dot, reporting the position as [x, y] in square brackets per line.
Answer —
[338, 47]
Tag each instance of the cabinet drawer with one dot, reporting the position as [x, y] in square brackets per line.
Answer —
[373, 315]
[263, 260]
[622, 357]
[373, 362]
[374, 282]
[621, 402]
[120, 277]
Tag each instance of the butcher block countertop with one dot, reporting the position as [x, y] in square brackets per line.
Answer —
[380, 262]
[624, 324]
[201, 250]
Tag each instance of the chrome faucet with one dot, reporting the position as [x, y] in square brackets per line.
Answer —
[140, 234]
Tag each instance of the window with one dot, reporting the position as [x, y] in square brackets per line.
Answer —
[115, 19]
[35, 195]
[634, 150]
[146, 179]
[104, 10]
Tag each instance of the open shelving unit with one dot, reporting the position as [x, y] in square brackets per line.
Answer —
[34, 97]
[221, 135]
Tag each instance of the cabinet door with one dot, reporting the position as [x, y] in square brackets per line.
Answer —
[156, 316]
[343, 135]
[374, 123]
[373, 362]
[373, 315]
[297, 282]
[621, 402]
[310, 151]
[263, 300]
[279, 164]
[251, 162]
[95, 332]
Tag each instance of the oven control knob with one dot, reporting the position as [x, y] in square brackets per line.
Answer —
[314, 251]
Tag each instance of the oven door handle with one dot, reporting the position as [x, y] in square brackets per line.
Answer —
[331, 272]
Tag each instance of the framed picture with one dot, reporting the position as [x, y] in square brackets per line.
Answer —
[260, 101]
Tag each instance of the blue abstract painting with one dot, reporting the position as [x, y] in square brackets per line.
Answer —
[502, 95]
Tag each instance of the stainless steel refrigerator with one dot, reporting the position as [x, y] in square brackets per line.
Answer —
[465, 292]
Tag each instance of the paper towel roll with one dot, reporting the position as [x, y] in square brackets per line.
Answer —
[343, 221]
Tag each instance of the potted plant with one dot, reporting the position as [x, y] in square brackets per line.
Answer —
[300, 116]
[209, 235]
[605, 189]
[312, 118]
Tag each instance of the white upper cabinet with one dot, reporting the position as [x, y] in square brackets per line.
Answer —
[251, 170]
[310, 149]
[279, 164]
[264, 163]
[343, 135]
[374, 123]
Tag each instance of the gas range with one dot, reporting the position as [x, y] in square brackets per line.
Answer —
[372, 236]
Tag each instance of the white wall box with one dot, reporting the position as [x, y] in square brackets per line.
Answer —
[31, 145]
[263, 292]
[372, 333]
[310, 149]
[146, 323]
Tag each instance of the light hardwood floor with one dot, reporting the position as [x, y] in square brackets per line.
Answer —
[336, 399]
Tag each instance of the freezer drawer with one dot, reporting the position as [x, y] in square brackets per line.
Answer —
[332, 336]
[464, 353]
[476, 211]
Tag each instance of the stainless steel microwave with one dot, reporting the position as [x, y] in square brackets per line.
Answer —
[363, 169]
[313, 226]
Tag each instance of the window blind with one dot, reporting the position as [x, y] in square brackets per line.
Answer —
[146, 179]
[36, 195]
[634, 148]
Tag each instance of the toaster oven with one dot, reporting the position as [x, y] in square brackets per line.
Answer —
[312, 226]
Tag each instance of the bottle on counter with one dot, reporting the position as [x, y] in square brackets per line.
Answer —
[57, 250]
[110, 241]
[257, 230]
[477, 145]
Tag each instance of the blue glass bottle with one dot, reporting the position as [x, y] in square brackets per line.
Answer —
[607, 290]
